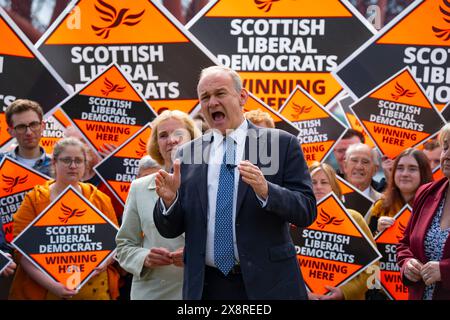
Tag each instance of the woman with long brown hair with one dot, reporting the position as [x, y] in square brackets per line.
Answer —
[410, 170]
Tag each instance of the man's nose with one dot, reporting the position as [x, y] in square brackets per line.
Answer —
[213, 101]
[359, 165]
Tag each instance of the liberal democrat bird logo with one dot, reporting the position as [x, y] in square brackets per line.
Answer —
[109, 14]
[401, 229]
[265, 5]
[142, 148]
[13, 182]
[402, 92]
[68, 213]
[444, 34]
[111, 87]
[327, 219]
[298, 110]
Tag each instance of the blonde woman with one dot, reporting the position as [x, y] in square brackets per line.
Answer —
[155, 262]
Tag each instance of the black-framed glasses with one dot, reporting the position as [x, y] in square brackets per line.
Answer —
[68, 161]
[22, 128]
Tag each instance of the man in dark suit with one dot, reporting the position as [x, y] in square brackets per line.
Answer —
[236, 218]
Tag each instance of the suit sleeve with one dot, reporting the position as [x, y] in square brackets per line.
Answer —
[171, 224]
[294, 200]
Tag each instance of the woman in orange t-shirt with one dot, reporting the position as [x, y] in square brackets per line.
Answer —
[69, 161]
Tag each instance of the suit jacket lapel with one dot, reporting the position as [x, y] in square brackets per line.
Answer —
[202, 173]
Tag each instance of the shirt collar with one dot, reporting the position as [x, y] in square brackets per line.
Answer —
[238, 135]
[42, 157]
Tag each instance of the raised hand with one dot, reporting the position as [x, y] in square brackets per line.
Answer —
[252, 175]
[384, 223]
[167, 184]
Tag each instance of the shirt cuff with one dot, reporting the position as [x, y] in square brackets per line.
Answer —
[166, 212]
[262, 201]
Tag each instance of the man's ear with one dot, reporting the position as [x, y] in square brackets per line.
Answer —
[11, 132]
[344, 169]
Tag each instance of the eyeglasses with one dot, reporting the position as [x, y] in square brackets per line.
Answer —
[68, 161]
[22, 128]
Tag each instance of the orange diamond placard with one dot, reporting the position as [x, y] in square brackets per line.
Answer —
[418, 38]
[69, 239]
[397, 114]
[254, 103]
[386, 242]
[157, 54]
[278, 45]
[24, 73]
[108, 110]
[345, 103]
[334, 249]
[353, 198]
[55, 126]
[119, 169]
[15, 181]
[318, 128]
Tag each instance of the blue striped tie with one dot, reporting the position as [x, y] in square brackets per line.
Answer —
[223, 236]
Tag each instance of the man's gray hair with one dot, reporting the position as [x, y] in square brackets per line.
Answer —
[147, 162]
[364, 148]
[219, 69]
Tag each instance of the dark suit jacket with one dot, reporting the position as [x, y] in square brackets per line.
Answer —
[425, 205]
[266, 252]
